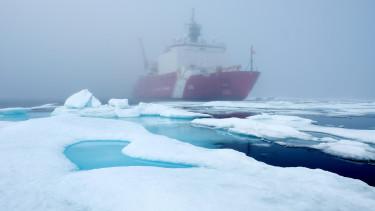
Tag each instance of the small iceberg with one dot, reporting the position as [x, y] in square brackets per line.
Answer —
[82, 99]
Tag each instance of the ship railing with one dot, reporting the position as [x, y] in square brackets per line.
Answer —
[228, 69]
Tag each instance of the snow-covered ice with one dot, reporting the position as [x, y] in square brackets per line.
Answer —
[119, 103]
[314, 107]
[142, 109]
[280, 127]
[257, 126]
[82, 99]
[266, 130]
[348, 149]
[85, 104]
[35, 174]
[150, 109]
[130, 112]
[5, 124]
[22, 110]
[366, 136]
[102, 111]
[287, 107]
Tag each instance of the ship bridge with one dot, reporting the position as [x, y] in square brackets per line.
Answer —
[192, 53]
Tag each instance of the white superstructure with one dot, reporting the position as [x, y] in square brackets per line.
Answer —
[192, 53]
[192, 56]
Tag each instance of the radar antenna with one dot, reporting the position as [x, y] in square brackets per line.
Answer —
[194, 28]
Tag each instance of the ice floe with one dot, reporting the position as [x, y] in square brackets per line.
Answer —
[260, 128]
[119, 103]
[36, 175]
[287, 107]
[85, 104]
[23, 110]
[367, 136]
[348, 149]
[129, 112]
[143, 109]
[150, 109]
[82, 99]
[280, 128]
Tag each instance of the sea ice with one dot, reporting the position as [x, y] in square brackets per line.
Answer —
[289, 107]
[119, 103]
[151, 109]
[5, 124]
[84, 104]
[82, 99]
[36, 175]
[142, 109]
[102, 111]
[24, 110]
[348, 149]
[129, 112]
[14, 110]
[366, 136]
[279, 128]
[254, 127]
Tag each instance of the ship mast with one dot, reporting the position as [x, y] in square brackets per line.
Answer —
[252, 52]
[194, 28]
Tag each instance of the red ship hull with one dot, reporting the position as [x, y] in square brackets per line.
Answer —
[231, 85]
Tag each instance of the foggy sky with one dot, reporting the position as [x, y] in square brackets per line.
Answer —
[305, 49]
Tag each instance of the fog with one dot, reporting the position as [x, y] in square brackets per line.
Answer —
[304, 49]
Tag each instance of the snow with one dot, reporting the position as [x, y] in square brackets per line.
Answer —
[35, 174]
[103, 111]
[5, 124]
[119, 103]
[143, 109]
[307, 125]
[130, 112]
[348, 149]
[280, 128]
[287, 107]
[84, 104]
[150, 109]
[255, 127]
[367, 136]
[82, 99]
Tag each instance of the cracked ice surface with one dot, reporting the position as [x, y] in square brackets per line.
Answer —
[286, 107]
[280, 128]
[37, 176]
